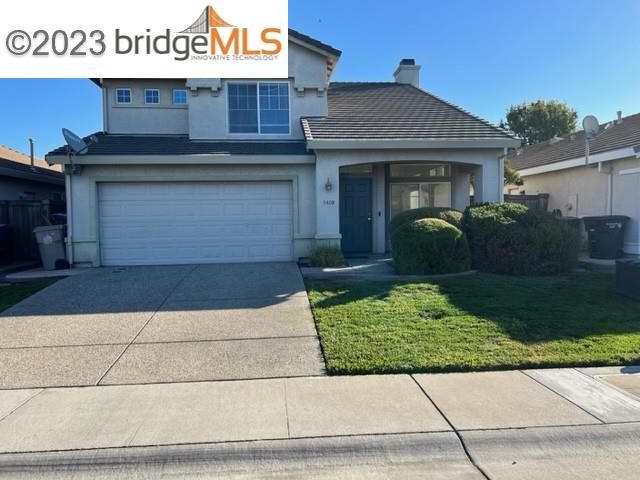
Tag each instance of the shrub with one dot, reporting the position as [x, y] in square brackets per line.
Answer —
[449, 215]
[510, 238]
[326, 257]
[429, 246]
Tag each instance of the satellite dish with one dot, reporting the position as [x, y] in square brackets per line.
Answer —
[590, 125]
[76, 144]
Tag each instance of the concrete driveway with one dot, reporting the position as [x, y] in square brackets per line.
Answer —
[162, 324]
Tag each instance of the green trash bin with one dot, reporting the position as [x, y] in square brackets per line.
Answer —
[606, 236]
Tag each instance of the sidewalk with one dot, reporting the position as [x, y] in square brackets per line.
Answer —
[59, 419]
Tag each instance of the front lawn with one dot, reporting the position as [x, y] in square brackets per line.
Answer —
[14, 293]
[475, 322]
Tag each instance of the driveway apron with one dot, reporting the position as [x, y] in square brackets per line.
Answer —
[162, 324]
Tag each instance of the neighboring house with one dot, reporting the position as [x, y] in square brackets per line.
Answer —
[20, 181]
[221, 170]
[608, 184]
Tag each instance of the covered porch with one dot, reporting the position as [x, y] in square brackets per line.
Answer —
[358, 193]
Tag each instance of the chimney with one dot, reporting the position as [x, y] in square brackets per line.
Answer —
[619, 112]
[408, 73]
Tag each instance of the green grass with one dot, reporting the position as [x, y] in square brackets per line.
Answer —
[475, 322]
[12, 294]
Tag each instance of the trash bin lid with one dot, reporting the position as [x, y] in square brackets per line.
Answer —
[47, 228]
[606, 218]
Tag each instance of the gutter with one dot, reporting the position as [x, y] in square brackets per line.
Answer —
[419, 143]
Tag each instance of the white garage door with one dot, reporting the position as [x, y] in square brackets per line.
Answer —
[185, 222]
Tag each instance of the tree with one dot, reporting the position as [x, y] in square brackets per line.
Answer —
[511, 175]
[541, 120]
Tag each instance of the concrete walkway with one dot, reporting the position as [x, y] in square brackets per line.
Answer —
[161, 324]
[58, 419]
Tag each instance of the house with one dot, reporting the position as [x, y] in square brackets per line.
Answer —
[20, 180]
[236, 170]
[608, 183]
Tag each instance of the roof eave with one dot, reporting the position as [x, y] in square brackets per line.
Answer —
[594, 159]
[420, 143]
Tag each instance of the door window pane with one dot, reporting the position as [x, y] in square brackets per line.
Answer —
[435, 194]
[404, 196]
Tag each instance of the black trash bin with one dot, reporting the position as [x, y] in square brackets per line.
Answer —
[606, 236]
[6, 244]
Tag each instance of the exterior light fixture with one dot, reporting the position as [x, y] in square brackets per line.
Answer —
[328, 186]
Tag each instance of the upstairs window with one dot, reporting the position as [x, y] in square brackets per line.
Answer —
[259, 108]
[123, 95]
[179, 97]
[152, 96]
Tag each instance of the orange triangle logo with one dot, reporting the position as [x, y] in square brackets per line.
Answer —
[216, 20]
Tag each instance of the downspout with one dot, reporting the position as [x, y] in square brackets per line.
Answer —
[608, 172]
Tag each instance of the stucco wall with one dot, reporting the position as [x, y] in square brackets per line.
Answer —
[139, 118]
[205, 117]
[582, 192]
[11, 189]
[85, 197]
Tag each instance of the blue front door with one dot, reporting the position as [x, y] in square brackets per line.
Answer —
[355, 214]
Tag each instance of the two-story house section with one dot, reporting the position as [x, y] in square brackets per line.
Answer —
[236, 170]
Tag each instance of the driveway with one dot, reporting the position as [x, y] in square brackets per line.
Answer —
[162, 324]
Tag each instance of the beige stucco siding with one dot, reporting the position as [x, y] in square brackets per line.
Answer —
[84, 203]
[582, 192]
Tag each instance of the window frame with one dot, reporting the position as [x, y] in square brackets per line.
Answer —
[436, 181]
[118, 89]
[151, 90]
[257, 84]
[186, 96]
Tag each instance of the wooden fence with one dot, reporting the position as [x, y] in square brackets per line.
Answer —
[24, 216]
[535, 202]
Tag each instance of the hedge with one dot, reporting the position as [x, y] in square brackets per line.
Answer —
[512, 239]
[449, 215]
[429, 246]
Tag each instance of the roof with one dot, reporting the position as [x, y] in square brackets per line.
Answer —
[181, 145]
[292, 33]
[316, 43]
[380, 111]
[612, 136]
[12, 155]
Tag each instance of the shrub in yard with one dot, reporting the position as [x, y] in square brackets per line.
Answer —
[449, 215]
[429, 246]
[326, 257]
[513, 239]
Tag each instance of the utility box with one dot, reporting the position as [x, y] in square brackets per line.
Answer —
[51, 243]
[606, 236]
[628, 278]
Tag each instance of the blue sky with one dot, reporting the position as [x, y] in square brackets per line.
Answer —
[481, 55]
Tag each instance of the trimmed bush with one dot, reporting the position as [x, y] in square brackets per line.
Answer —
[326, 257]
[429, 246]
[449, 215]
[512, 239]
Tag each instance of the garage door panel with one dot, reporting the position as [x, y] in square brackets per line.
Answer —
[195, 222]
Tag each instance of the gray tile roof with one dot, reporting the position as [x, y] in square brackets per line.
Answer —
[612, 136]
[316, 43]
[22, 170]
[368, 111]
[181, 145]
